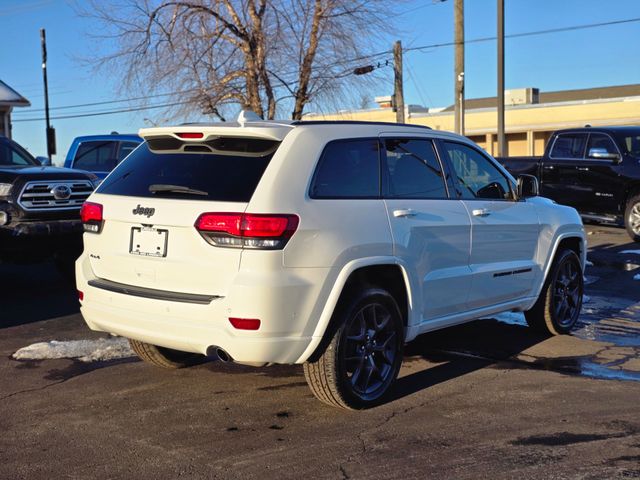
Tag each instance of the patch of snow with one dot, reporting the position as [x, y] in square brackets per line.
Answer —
[586, 298]
[84, 350]
[589, 263]
[636, 276]
[637, 252]
[511, 318]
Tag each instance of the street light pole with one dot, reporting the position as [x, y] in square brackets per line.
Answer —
[398, 88]
[500, 97]
[458, 10]
[51, 136]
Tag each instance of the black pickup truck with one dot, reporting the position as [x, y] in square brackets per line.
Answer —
[39, 208]
[594, 170]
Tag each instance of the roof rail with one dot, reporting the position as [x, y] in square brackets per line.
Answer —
[355, 122]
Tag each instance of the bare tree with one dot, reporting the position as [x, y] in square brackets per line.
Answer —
[260, 54]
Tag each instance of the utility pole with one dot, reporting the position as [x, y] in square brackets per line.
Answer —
[398, 89]
[458, 10]
[51, 133]
[501, 137]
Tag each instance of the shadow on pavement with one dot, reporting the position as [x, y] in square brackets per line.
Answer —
[460, 350]
[31, 293]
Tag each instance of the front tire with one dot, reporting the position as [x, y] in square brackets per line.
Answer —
[165, 357]
[557, 309]
[363, 357]
[632, 218]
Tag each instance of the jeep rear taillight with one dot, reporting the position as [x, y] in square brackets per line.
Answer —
[247, 230]
[91, 216]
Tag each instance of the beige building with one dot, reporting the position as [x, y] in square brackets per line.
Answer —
[530, 116]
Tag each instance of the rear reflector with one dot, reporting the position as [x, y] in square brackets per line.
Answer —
[80, 295]
[249, 230]
[190, 134]
[245, 323]
[91, 216]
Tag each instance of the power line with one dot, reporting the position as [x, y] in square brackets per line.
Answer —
[108, 102]
[108, 112]
[530, 34]
[341, 62]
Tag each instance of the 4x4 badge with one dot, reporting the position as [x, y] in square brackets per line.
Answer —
[147, 212]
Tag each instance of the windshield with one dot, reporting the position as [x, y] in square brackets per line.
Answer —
[12, 155]
[230, 177]
[632, 144]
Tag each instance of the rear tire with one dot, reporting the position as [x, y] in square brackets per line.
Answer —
[363, 357]
[558, 307]
[165, 357]
[632, 218]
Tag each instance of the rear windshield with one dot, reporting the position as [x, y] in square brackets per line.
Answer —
[195, 176]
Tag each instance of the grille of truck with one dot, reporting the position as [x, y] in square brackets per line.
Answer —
[54, 195]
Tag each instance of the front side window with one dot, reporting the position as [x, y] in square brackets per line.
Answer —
[477, 177]
[96, 156]
[412, 170]
[569, 145]
[12, 157]
[601, 142]
[348, 169]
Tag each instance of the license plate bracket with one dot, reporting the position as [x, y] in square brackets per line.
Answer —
[148, 241]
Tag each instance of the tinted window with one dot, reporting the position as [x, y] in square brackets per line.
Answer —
[11, 156]
[96, 156]
[412, 170]
[632, 145]
[569, 145]
[477, 176]
[125, 149]
[225, 178]
[348, 169]
[602, 142]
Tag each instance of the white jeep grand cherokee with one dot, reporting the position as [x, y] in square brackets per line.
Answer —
[329, 244]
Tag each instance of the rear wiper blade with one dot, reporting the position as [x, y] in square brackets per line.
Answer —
[161, 187]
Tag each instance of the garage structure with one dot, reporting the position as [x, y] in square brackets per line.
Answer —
[9, 99]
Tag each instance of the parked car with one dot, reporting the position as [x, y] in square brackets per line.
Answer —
[100, 153]
[39, 208]
[595, 170]
[327, 244]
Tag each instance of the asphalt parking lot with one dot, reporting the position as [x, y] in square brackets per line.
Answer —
[489, 399]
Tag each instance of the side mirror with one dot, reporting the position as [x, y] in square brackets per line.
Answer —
[44, 161]
[603, 154]
[527, 186]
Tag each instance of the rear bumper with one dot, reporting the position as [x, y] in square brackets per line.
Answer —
[285, 304]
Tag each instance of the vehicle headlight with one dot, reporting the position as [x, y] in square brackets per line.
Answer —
[5, 189]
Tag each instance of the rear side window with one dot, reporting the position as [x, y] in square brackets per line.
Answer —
[125, 149]
[348, 169]
[195, 176]
[412, 170]
[96, 156]
[569, 145]
[601, 142]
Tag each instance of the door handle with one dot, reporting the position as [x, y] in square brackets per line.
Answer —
[404, 212]
[548, 167]
[481, 212]
[583, 169]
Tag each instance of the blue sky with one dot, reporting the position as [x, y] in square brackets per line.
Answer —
[608, 55]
